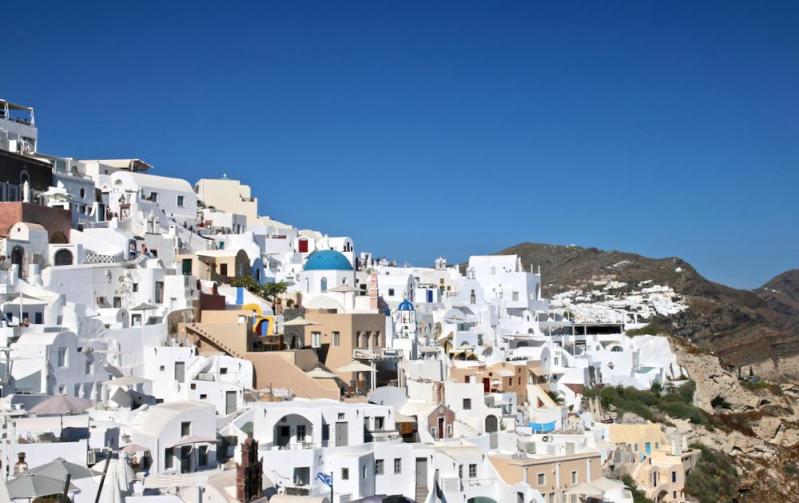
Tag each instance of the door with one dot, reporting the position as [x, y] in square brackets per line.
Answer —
[486, 385]
[283, 436]
[442, 422]
[230, 402]
[185, 459]
[430, 296]
[341, 434]
[421, 479]
[159, 292]
[186, 267]
[180, 371]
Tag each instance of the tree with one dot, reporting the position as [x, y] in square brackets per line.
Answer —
[268, 291]
[271, 290]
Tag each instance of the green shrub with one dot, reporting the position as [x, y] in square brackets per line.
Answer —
[651, 405]
[714, 478]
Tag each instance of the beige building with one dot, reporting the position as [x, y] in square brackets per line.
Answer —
[215, 265]
[232, 332]
[502, 377]
[551, 476]
[340, 338]
[230, 196]
[659, 468]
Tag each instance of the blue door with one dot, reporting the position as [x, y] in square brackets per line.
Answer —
[648, 448]
[430, 296]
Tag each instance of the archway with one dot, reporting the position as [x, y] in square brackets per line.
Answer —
[58, 238]
[63, 257]
[491, 424]
[292, 429]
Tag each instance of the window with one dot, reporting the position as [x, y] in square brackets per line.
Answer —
[180, 201]
[223, 370]
[82, 192]
[336, 339]
[316, 339]
[510, 381]
[161, 368]
[460, 471]
[574, 477]
[203, 396]
[515, 295]
[223, 269]
[88, 367]
[345, 474]
[203, 455]
[379, 467]
[363, 472]
[38, 318]
[542, 479]
[169, 454]
[397, 466]
[472, 471]
[117, 301]
[379, 423]
[62, 357]
[153, 197]
[300, 432]
[674, 477]
[467, 404]
[135, 287]
[185, 428]
[390, 292]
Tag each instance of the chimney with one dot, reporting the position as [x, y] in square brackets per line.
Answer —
[248, 473]
[373, 291]
[21, 465]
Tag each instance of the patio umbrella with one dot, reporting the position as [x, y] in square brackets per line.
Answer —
[320, 373]
[32, 486]
[299, 322]
[59, 468]
[355, 366]
[59, 405]
[585, 489]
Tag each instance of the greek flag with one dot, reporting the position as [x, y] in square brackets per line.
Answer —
[325, 479]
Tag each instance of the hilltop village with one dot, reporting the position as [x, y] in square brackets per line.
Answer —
[163, 341]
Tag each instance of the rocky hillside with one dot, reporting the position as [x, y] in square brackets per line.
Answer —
[745, 328]
[782, 295]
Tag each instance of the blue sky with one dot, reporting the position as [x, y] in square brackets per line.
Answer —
[433, 128]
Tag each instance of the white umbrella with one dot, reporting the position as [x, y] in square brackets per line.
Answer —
[355, 366]
[32, 486]
[320, 373]
[59, 468]
[59, 405]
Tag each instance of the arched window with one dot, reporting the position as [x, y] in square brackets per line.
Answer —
[323, 285]
[63, 257]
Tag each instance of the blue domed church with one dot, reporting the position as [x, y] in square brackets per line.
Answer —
[326, 269]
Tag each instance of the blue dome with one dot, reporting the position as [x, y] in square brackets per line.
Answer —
[327, 260]
[405, 305]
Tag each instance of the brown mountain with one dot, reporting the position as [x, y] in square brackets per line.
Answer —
[743, 327]
[782, 295]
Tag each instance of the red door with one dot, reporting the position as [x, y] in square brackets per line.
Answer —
[486, 385]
